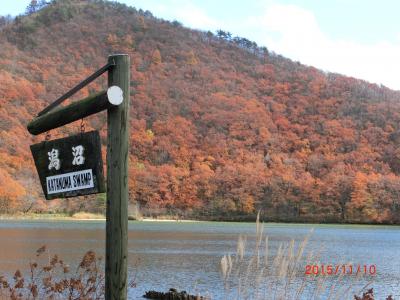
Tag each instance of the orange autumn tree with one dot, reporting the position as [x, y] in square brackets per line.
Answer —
[156, 57]
[361, 207]
[10, 192]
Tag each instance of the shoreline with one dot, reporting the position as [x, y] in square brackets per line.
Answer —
[82, 216]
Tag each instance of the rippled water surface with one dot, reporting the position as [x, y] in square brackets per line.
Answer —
[187, 255]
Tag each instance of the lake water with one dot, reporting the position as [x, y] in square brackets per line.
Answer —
[187, 255]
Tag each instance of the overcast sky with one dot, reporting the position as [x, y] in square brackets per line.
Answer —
[359, 38]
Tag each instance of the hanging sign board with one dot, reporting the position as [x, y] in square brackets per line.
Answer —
[71, 166]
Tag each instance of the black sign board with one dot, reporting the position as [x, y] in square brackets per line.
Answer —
[71, 166]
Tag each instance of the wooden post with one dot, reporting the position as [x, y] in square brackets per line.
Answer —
[117, 183]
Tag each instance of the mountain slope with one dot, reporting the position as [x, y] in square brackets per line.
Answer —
[219, 127]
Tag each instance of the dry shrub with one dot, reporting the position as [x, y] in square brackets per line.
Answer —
[53, 279]
[369, 295]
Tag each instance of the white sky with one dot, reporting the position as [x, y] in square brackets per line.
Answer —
[359, 40]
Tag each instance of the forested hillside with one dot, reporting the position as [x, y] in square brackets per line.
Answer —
[220, 127]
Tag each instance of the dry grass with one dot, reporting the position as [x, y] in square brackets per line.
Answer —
[50, 216]
[255, 276]
[87, 216]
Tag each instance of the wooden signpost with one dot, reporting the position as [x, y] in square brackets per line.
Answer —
[72, 166]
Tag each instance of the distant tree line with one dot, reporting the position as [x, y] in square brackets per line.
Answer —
[5, 20]
[35, 6]
[242, 42]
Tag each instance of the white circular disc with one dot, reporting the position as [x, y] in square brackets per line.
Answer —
[115, 95]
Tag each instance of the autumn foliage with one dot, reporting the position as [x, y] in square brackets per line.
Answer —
[220, 127]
